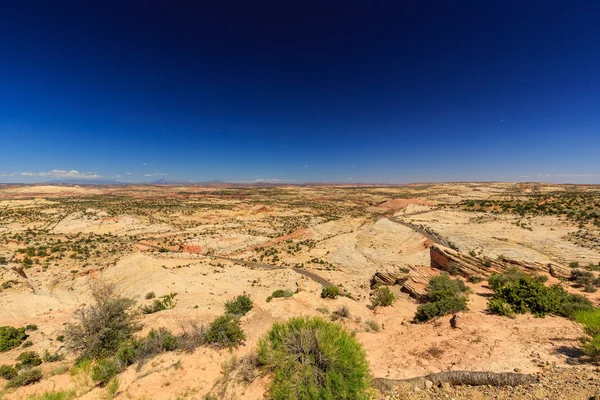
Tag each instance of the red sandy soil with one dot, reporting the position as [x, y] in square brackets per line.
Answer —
[196, 249]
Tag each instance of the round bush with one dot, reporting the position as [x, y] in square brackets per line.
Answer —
[330, 292]
[240, 306]
[445, 296]
[11, 337]
[382, 296]
[104, 370]
[225, 331]
[311, 358]
[8, 372]
[27, 377]
[29, 359]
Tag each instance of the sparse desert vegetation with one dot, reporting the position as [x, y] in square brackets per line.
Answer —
[107, 291]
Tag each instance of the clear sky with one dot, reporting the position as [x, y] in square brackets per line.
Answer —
[303, 91]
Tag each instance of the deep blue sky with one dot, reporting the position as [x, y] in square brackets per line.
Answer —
[345, 91]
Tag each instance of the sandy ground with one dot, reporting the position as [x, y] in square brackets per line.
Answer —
[352, 246]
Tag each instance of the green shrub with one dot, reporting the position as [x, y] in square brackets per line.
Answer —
[29, 359]
[500, 307]
[590, 320]
[150, 295]
[49, 357]
[581, 278]
[167, 302]
[225, 331]
[156, 342]
[591, 346]
[590, 288]
[373, 325]
[442, 286]
[26, 344]
[382, 296]
[103, 326]
[445, 296]
[520, 293]
[440, 308]
[311, 358]
[280, 293]
[496, 281]
[575, 303]
[330, 292]
[31, 327]
[475, 279]
[528, 295]
[104, 370]
[127, 353]
[11, 337]
[54, 395]
[8, 372]
[239, 306]
[112, 388]
[26, 377]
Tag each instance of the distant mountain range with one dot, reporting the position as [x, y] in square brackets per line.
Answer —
[115, 182]
[215, 183]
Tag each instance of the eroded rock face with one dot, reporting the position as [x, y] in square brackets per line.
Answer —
[388, 278]
[446, 259]
[412, 282]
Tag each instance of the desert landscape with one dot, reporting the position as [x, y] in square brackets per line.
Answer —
[362, 257]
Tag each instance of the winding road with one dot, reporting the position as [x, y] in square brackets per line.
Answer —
[317, 278]
[434, 238]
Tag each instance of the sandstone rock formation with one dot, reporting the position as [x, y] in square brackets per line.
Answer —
[449, 260]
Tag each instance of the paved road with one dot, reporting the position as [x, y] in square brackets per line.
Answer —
[415, 228]
[319, 279]
[434, 238]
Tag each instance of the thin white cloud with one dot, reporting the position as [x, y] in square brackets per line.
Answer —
[569, 175]
[157, 174]
[144, 164]
[61, 173]
[12, 174]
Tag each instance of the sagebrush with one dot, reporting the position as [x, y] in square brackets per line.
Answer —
[311, 358]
